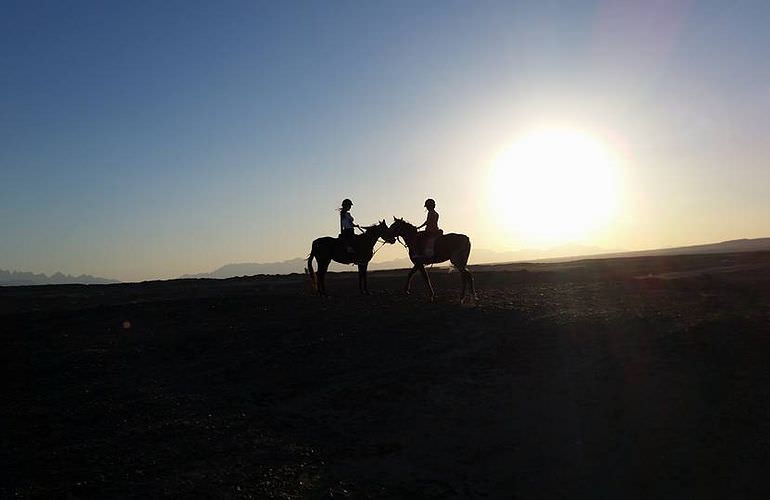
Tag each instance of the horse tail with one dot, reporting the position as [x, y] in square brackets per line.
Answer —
[313, 280]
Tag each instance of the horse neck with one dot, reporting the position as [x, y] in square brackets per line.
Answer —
[409, 235]
[371, 235]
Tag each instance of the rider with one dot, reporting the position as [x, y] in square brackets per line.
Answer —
[432, 230]
[431, 223]
[347, 225]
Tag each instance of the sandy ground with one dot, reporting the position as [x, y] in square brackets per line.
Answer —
[620, 378]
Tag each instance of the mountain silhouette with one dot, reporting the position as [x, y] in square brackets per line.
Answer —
[730, 246]
[21, 278]
[287, 267]
[483, 256]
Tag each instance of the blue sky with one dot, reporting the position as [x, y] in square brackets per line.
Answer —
[146, 140]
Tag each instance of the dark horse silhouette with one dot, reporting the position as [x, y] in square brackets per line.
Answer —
[327, 249]
[453, 247]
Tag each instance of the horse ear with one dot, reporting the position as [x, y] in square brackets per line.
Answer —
[394, 218]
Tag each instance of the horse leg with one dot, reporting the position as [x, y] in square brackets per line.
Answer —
[468, 279]
[424, 273]
[323, 266]
[409, 279]
[460, 261]
[362, 284]
[360, 280]
[470, 282]
[310, 272]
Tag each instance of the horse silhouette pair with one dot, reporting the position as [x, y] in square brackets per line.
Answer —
[452, 247]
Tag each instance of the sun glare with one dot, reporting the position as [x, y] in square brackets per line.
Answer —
[553, 186]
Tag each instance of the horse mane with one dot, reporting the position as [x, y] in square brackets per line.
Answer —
[408, 224]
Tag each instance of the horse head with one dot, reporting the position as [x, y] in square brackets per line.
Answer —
[401, 228]
[380, 230]
[385, 232]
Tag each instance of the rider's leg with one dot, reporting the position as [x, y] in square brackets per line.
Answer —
[347, 239]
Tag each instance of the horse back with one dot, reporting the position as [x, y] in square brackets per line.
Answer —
[324, 242]
[324, 247]
[331, 248]
[454, 240]
[444, 248]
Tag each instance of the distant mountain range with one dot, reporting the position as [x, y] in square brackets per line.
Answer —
[731, 246]
[478, 256]
[482, 256]
[17, 278]
[297, 265]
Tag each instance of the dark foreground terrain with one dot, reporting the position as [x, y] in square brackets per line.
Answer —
[624, 378]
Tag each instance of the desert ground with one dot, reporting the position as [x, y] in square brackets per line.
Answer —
[619, 378]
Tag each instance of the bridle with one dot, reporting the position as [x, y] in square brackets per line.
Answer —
[403, 243]
[382, 244]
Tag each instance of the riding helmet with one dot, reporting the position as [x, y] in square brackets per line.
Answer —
[347, 202]
[430, 203]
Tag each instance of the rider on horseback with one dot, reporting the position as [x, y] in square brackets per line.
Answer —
[431, 223]
[347, 225]
[432, 230]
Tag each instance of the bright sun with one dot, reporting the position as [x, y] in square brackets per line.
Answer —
[553, 186]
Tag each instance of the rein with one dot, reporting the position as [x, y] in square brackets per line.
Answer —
[378, 248]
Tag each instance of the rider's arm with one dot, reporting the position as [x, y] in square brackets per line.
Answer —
[422, 225]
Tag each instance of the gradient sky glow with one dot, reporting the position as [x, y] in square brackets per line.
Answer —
[146, 140]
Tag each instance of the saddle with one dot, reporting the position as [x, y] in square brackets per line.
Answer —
[425, 244]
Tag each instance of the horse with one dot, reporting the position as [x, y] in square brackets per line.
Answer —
[328, 248]
[453, 247]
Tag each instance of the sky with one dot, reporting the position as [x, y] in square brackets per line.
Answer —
[145, 140]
